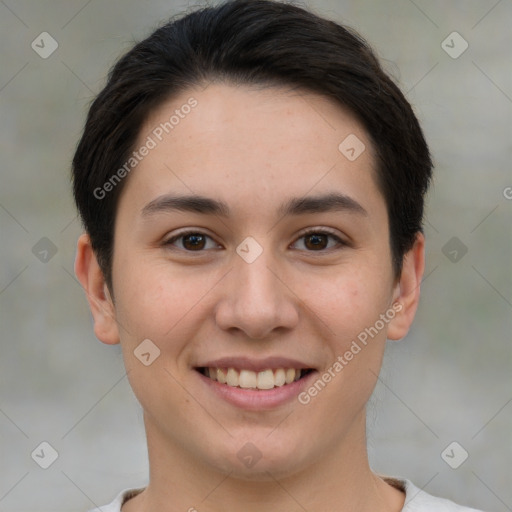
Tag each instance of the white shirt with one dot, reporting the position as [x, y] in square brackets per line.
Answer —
[416, 500]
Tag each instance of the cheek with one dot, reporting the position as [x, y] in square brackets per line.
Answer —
[148, 301]
[351, 305]
[164, 303]
[349, 302]
[152, 306]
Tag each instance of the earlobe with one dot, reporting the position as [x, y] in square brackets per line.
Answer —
[93, 282]
[407, 290]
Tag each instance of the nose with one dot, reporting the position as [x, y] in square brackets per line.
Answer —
[257, 299]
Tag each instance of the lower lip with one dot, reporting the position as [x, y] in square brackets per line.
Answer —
[258, 399]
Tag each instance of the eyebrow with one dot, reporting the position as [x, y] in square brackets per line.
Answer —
[294, 206]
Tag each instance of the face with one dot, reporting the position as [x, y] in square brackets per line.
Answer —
[277, 277]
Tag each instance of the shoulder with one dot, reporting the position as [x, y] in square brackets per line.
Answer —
[417, 500]
[122, 497]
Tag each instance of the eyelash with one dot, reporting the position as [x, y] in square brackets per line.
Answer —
[315, 231]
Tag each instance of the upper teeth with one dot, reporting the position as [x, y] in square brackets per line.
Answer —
[267, 379]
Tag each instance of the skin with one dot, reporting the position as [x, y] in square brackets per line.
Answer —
[253, 149]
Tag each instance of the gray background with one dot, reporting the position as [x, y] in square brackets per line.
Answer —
[449, 380]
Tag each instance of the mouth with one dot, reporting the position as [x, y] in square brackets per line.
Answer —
[264, 380]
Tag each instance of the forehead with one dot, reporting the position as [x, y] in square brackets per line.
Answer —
[243, 142]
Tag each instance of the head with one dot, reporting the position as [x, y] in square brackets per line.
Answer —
[261, 108]
[258, 43]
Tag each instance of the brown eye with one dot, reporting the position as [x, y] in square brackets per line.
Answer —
[319, 240]
[316, 241]
[191, 241]
[194, 241]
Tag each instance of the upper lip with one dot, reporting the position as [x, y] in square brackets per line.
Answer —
[256, 365]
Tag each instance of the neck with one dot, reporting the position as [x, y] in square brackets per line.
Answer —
[340, 480]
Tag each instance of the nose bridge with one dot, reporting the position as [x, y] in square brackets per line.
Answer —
[258, 301]
[257, 283]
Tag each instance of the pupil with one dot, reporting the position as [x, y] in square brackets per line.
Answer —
[317, 240]
[196, 241]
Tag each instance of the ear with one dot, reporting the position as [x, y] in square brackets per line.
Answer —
[91, 277]
[407, 290]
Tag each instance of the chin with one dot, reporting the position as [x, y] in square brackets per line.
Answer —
[250, 463]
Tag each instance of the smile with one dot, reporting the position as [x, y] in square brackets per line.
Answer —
[248, 379]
